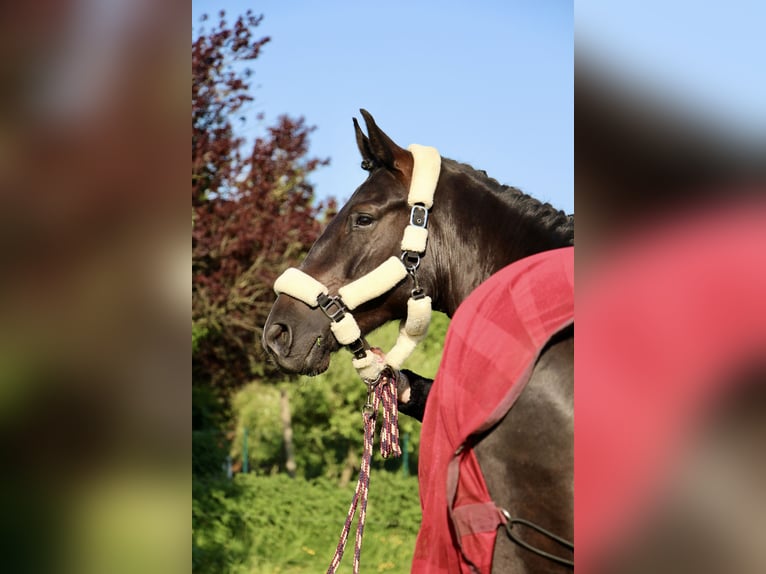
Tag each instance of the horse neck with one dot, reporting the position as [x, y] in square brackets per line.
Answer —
[476, 231]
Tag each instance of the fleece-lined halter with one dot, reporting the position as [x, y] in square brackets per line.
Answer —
[384, 278]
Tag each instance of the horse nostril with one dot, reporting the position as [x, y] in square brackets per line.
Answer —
[279, 338]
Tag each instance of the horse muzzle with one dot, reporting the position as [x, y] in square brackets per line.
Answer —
[298, 338]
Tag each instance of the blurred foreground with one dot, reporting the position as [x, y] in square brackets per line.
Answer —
[671, 310]
[94, 288]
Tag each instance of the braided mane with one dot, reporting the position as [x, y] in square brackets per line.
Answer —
[554, 220]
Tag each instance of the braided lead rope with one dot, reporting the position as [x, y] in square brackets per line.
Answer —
[381, 392]
[386, 392]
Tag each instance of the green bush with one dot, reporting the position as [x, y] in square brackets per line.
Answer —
[257, 408]
[267, 524]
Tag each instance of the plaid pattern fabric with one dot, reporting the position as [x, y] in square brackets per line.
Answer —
[492, 344]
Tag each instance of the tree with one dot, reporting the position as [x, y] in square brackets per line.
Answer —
[253, 213]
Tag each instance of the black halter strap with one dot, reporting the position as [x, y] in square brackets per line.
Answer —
[335, 310]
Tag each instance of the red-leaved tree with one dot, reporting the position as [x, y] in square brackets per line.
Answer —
[253, 209]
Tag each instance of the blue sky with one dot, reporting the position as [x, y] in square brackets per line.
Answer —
[488, 83]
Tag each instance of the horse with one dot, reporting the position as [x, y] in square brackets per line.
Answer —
[476, 227]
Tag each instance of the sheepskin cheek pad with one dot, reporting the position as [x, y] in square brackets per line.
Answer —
[411, 332]
[418, 317]
[414, 239]
[346, 330]
[378, 281]
[403, 349]
[296, 283]
[425, 174]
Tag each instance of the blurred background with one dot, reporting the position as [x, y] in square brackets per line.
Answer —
[94, 287]
[670, 163]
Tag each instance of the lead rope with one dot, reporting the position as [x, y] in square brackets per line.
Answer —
[382, 391]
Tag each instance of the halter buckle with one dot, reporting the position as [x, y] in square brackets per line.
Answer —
[358, 348]
[333, 307]
[419, 215]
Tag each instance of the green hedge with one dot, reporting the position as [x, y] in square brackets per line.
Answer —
[268, 524]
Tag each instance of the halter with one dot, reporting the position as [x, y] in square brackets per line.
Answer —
[382, 279]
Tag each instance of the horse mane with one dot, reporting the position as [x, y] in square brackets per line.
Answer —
[556, 221]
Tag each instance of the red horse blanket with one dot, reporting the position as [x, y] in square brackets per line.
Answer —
[491, 348]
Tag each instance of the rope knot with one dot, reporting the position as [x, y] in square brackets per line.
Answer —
[386, 394]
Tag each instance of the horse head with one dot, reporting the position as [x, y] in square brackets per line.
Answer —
[366, 232]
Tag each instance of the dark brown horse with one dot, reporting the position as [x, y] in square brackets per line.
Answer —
[476, 227]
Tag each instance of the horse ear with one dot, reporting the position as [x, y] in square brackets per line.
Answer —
[384, 151]
[368, 160]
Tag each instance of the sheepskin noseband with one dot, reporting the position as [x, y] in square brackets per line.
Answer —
[385, 277]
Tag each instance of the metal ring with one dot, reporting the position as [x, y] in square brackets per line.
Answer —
[411, 260]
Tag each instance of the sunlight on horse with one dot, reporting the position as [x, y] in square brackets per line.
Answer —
[476, 228]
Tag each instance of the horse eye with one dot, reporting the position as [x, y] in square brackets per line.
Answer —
[363, 220]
